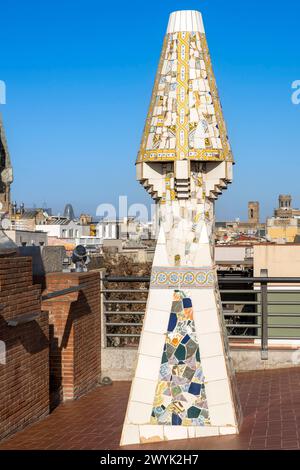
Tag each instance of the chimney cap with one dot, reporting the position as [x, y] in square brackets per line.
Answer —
[185, 21]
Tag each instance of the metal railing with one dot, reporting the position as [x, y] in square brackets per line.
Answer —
[249, 304]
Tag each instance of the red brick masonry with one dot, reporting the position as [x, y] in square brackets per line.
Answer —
[75, 327]
[72, 330]
[24, 379]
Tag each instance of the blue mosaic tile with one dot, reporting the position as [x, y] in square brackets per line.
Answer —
[180, 398]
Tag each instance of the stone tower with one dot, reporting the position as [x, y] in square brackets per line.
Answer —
[285, 209]
[6, 174]
[184, 383]
[253, 212]
[285, 201]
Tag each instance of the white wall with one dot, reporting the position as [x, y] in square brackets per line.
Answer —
[230, 253]
[70, 230]
[29, 237]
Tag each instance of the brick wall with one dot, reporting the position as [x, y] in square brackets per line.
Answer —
[24, 379]
[75, 328]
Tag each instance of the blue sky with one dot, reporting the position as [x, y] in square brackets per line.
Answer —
[79, 76]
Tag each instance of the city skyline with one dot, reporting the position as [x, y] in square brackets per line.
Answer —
[66, 100]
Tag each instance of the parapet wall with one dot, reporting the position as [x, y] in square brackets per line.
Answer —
[75, 334]
[24, 365]
[119, 364]
[49, 352]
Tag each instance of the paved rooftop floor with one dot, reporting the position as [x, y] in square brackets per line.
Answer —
[270, 401]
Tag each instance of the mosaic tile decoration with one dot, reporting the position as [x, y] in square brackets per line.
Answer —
[180, 398]
[185, 118]
[187, 277]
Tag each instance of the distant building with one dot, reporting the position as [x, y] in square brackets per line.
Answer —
[239, 231]
[285, 209]
[108, 229]
[86, 219]
[69, 212]
[128, 228]
[27, 237]
[284, 226]
[27, 219]
[253, 213]
[62, 227]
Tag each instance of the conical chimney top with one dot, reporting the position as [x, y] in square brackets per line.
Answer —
[185, 119]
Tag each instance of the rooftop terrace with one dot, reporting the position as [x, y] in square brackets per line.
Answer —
[270, 401]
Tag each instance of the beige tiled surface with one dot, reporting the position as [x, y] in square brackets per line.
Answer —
[148, 367]
[138, 413]
[157, 321]
[222, 415]
[152, 344]
[214, 368]
[218, 392]
[210, 345]
[143, 390]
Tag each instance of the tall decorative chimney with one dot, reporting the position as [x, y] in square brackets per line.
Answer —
[184, 384]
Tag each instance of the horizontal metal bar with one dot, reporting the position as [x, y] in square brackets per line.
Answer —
[127, 279]
[241, 325]
[124, 291]
[284, 302]
[107, 312]
[258, 292]
[242, 291]
[237, 314]
[286, 327]
[246, 302]
[240, 302]
[124, 324]
[123, 335]
[59, 293]
[296, 338]
[283, 315]
[243, 337]
[252, 280]
[283, 291]
[124, 301]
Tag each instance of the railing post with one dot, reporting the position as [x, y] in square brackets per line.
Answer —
[264, 316]
[103, 312]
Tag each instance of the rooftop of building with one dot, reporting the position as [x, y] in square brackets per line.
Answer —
[270, 401]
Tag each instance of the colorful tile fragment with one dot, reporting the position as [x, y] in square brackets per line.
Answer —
[180, 398]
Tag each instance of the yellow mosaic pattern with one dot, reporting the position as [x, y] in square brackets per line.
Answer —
[182, 131]
[185, 119]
